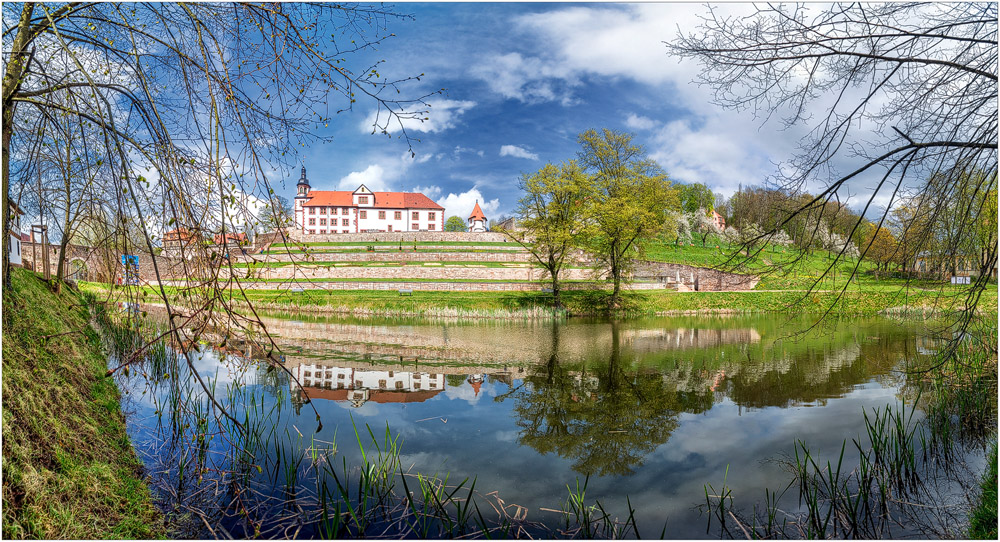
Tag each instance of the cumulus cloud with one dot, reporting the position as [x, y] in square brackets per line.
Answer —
[517, 152]
[429, 191]
[441, 115]
[374, 177]
[462, 204]
[638, 122]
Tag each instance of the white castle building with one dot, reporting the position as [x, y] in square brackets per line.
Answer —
[340, 211]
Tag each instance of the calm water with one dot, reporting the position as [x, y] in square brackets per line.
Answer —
[651, 409]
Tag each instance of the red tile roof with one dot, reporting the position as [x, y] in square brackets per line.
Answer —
[477, 213]
[238, 238]
[179, 234]
[383, 200]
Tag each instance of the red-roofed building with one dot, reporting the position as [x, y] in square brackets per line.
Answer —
[477, 220]
[339, 211]
[231, 240]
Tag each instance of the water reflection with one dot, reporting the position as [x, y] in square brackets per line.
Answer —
[653, 408]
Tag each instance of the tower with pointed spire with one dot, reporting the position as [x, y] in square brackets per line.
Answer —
[301, 197]
[477, 220]
[302, 188]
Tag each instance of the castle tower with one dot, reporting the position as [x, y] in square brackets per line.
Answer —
[301, 196]
[477, 220]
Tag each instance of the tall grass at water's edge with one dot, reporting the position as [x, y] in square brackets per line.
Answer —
[902, 461]
[379, 497]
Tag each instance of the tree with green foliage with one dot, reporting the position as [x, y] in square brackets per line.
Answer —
[553, 215]
[454, 223]
[632, 201]
[880, 247]
[275, 215]
[696, 197]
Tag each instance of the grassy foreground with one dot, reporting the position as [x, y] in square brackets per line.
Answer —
[983, 520]
[69, 470]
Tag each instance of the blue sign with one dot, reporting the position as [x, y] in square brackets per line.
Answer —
[130, 275]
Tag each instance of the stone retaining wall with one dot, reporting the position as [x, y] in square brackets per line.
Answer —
[693, 278]
[511, 256]
[429, 286]
[444, 272]
[395, 237]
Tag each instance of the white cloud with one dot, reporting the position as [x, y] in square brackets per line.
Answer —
[530, 80]
[517, 152]
[462, 204]
[460, 150]
[429, 191]
[374, 177]
[638, 122]
[441, 115]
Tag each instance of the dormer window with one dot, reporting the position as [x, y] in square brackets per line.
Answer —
[363, 200]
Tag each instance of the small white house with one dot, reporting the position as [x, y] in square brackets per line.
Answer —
[477, 220]
[15, 234]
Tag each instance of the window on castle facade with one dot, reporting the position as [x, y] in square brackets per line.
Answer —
[399, 215]
[416, 215]
[430, 227]
[430, 216]
[343, 210]
[364, 214]
[345, 222]
[381, 215]
[322, 222]
[312, 221]
[312, 210]
[363, 200]
[415, 227]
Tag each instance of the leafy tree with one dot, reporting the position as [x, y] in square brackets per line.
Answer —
[880, 247]
[695, 197]
[454, 223]
[631, 201]
[553, 216]
[276, 214]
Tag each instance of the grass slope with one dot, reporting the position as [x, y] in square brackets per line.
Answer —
[69, 470]
[983, 521]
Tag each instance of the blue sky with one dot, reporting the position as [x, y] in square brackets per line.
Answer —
[522, 81]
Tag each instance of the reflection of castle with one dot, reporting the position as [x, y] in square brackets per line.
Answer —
[321, 381]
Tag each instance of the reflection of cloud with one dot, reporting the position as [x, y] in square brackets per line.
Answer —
[467, 394]
[506, 436]
[367, 410]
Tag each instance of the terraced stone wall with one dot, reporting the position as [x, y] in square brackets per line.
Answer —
[405, 237]
[693, 278]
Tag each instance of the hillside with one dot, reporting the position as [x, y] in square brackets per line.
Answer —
[69, 470]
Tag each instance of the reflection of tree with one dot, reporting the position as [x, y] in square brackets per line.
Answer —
[607, 419]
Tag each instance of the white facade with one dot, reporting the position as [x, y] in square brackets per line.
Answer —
[15, 235]
[328, 212]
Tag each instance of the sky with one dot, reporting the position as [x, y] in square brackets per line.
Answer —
[521, 81]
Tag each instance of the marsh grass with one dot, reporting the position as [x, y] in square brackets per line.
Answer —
[905, 475]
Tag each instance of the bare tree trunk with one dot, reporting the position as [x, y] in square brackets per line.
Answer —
[11, 83]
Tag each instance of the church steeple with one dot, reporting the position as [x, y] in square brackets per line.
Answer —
[302, 188]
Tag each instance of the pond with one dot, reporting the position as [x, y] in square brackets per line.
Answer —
[645, 413]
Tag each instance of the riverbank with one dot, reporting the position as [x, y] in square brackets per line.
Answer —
[867, 300]
[69, 469]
